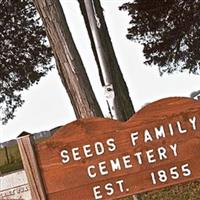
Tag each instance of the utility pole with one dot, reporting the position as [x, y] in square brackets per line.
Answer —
[120, 108]
[116, 91]
[107, 79]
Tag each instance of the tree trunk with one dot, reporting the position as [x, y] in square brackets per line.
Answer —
[99, 37]
[68, 61]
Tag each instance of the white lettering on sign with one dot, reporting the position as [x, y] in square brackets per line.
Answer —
[180, 129]
[108, 189]
[147, 136]
[64, 155]
[127, 161]
[103, 168]
[134, 137]
[115, 164]
[162, 153]
[86, 150]
[150, 156]
[91, 172]
[161, 132]
[75, 153]
[99, 148]
[193, 122]
[174, 149]
[171, 130]
[146, 155]
[161, 175]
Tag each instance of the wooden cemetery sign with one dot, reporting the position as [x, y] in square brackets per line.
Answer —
[106, 159]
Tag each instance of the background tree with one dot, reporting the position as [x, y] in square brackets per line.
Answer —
[169, 31]
[25, 55]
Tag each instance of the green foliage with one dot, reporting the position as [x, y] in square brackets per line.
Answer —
[13, 155]
[25, 55]
[14, 158]
[14, 161]
[169, 31]
[11, 167]
[186, 191]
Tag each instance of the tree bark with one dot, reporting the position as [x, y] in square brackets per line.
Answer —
[68, 61]
[112, 74]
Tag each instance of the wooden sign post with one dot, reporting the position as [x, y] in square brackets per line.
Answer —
[26, 148]
[106, 159]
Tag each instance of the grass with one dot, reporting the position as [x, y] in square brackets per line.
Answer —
[11, 167]
[13, 155]
[186, 191]
[11, 162]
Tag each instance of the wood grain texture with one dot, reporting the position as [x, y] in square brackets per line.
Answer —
[71, 180]
[68, 60]
[26, 149]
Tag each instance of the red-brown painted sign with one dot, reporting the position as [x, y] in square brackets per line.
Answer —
[106, 159]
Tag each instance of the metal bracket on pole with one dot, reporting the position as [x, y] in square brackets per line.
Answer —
[110, 97]
[195, 95]
[109, 92]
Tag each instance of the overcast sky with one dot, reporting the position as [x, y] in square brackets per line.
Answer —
[47, 104]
